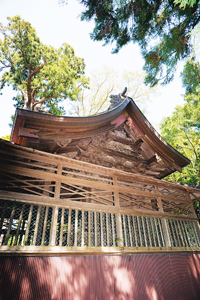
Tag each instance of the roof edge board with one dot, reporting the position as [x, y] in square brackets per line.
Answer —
[153, 138]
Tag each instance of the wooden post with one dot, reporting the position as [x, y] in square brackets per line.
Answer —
[36, 225]
[166, 234]
[54, 226]
[10, 224]
[119, 230]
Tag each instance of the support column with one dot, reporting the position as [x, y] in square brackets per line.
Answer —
[54, 226]
[165, 228]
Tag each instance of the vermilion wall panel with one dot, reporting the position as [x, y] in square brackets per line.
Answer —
[135, 277]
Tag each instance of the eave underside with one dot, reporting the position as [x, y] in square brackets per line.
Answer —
[122, 139]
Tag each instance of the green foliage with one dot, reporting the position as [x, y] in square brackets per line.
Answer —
[160, 27]
[182, 131]
[191, 76]
[184, 3]
[41, 75]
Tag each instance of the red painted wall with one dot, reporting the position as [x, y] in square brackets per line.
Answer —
[135, 277]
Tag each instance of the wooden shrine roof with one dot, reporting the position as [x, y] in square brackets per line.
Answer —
[121, 138]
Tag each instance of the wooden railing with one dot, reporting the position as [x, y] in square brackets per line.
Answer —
[50, 201]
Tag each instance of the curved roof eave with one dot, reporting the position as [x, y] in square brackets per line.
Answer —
[153, 139]
[92, 125]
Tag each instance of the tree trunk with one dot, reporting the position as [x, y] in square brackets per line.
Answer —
[27, 104]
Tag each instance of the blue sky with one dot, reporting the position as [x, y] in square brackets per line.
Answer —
[57, 24]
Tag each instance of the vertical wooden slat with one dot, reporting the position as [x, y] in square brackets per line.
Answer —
[119, 230]
[89, 228]
[44, 227]
[19, 225]
[54, 226]
[195, 235]
[157, 231]
[139, 230]
[113, 229]
[145, 238]
[167, 241]
[125, 235]
[197, 231]
[187, 234]
[184, 233]
[28, 224]
[76, 228]
[101, 229]
[191, 238]
[69, 228]
[152, 225]
[177, 234]
[107, 231]
[61, 227]
[180, 232]
[130, 233]
[10, 224]
[134, 229]
[2, 216]
[161, 231]
[36, 225]
[149, 232]
[82, 235]
[95, 228]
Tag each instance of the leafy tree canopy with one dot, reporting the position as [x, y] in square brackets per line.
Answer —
[182, 131]
[161, 28]
[41, 75]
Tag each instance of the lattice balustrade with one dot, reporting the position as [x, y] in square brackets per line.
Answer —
[51, 201]
[54, 180]
[37, 225]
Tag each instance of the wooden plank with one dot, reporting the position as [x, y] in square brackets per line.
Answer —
[149, 232]
[9, 226]
[49, 176]
[36, 225]
[28, 224]
[47, 201]
[82, 229]
[19, 225]
[95, 228]
[54, 226]
[69, 228]
[107, 231]
[113, 230]
[130, 233]
[44, 226]
[161, 231]
[166, 235]
[2, 216]
[65, 251]
[54, 159]
[145, 238]
[195, 234]
[153, 225]
[139, 230]
[89, 228]
[61, 227]
[180, 232]
[101, 219]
